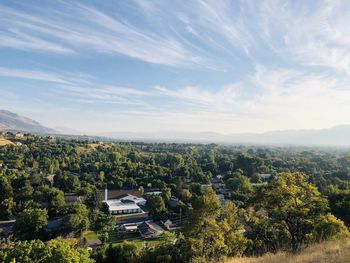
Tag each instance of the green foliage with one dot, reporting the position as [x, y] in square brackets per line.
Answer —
[125, 252]
[77, 219]
[296, 206]
[6, 208]
[30, 223]
[55, 199]
[101, 222]
[340, 204]
[156, 206]
[92, 199]
[209, 235]
[53, 251]
[287, 212]
[6, 190]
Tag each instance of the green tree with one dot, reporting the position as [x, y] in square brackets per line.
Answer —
[203, 232]
[125, 252]
[186, 196]
[340, 204]
[101, 222]
[297, 206]
[77, 219]
[55, 198]
[92, 199]
[166, 194]
[6, 208]
[54, 251]
[30, 223]
[156, 206]
[25, 193]
[233, 231]
[6, 190]
[239, 184]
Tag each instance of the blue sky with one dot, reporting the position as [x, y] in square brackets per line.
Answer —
[221, 66]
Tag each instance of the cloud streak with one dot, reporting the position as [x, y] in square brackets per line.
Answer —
[76, 26]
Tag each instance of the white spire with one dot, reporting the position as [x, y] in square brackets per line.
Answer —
[106, 194]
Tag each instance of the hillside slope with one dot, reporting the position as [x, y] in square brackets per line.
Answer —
[10, 121]
[328, 252]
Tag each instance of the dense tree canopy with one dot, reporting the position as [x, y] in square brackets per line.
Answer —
[304, 200]
[53, 251]
[30, 223]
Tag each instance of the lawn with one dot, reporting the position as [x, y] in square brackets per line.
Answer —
[90, 235]
[115, 237]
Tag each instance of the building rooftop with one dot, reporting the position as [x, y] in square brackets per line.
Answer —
[117, 205]
[117, 194]
[135, 199]
[148, 228]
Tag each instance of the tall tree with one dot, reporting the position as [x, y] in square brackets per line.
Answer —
[77, 219]
[209, 237]
[295, 205]
[30, 223]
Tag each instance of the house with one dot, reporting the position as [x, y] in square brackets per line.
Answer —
[119, 206]
[265, 177]
[172, 202]
[169, 225]
[19, 135]
[149, 230]
[54, 225]
[124, 204]
[137, 200]
[71, 198]
[129, 228]
[50, 177]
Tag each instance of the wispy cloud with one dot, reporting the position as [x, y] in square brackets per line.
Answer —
[103, 94]
[79, 87]
[283, 64]
[76, 27]
[33, 75]
[202, 33]
[217, 100]
[309, 34]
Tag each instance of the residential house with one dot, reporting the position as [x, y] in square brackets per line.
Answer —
[149, 230]
[129, 228]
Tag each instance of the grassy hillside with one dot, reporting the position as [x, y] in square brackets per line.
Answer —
[4, 142]
[332, 252]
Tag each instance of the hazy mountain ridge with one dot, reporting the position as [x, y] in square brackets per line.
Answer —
[338, 136]
[335, 136]
[10, 121]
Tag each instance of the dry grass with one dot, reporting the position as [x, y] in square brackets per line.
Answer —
[4, 142]
[332, 252]
[90, 147]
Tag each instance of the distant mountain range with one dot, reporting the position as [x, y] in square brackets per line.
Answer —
[335, 136]
[10, 121]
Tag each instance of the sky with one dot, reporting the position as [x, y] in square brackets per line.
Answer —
[171, 65]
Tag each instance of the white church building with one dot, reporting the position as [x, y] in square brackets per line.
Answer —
[125, 204]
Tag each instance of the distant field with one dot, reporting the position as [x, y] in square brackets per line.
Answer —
[328, 252]
[4, 142]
